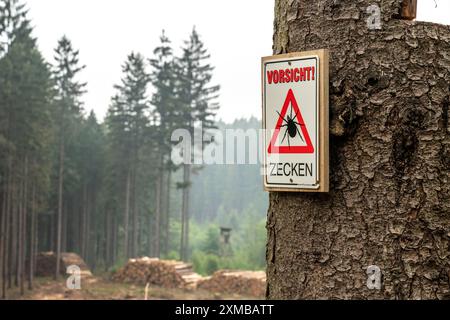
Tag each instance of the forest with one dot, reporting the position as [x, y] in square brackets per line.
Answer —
[107, 189]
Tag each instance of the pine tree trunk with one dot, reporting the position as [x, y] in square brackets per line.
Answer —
[107, 230]
[15, 230]
[4, 235]
[389, 199]
[32, 239]
[158, 208]
[60, 206]
[127, 216]
[7, 256]
[86, 240]
[167, 213]
[135, 216]
[24, 229]
[83, 223]
[185, 213]
[68, 207]
[20, 246]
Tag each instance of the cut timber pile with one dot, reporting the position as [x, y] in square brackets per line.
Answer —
[163, 273]
[246, 283]
[46, 264]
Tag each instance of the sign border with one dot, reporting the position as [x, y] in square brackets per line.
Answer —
[323, 96]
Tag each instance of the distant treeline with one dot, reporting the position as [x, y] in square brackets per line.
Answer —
[70, 183]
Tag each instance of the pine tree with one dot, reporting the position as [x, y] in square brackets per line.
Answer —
[68, 100]
[127, 123]
[24, 139]
[91, 152]
[168, 118]
[196, 98]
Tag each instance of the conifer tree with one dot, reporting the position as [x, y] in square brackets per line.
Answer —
[196, 98]
[68, 100]
[168, 118]
[127, 122]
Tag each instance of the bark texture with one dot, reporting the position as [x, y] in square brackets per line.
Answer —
[389, 199]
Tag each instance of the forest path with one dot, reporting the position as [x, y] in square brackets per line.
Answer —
[102, 288]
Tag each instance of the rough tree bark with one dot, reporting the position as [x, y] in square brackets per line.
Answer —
[389, 199]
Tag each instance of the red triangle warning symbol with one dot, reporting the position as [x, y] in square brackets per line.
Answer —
[291, 127]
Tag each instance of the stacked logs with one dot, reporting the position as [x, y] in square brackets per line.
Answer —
[176, 274]
[162, 273]
[46, 264]
[246, 283]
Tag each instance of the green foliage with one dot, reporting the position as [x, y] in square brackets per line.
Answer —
[248, 240]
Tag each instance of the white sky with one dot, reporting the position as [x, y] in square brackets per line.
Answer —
[236, 32]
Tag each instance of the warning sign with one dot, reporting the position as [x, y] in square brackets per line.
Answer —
[292, 124]
[295, 121]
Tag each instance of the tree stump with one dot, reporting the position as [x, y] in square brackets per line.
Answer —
[389, 199]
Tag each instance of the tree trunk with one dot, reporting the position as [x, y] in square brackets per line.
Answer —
[32, 238]
[4, 234]
[158, 208]
[135, 215]
[389, 198]
[83, 223]
[60, 206]
[23, 227]
[109, 238]
[185, 213]
[167, 213]
[20, 244]
[15, 230]
[7, 257]
[127, 216]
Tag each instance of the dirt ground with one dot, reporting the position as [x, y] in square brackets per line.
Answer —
[102, 288]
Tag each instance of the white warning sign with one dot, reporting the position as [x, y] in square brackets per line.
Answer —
[295, 121]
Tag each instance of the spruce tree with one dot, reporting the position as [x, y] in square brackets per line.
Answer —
[68, 100]
[197, 102]
[168, 118]
[127, 122]
[25, 137]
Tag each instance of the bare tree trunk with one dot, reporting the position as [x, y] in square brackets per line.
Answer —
[16, 227]
[158, 207]
[127, 216]
[83, 223]
[8, 241]
[23, 227]
[149, 236]
[167, 213]
[135, 216]
[68, 207]
[7, 261]
[115, 245]
[108, 236]
[20, 244]
[4, 234]
[32, 239]
[185, 213]
[60, 206]
[88, 246]
[389, 198]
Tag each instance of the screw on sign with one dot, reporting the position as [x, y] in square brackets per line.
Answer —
[295, 121]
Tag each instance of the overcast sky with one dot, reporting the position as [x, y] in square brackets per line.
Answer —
[236, 32]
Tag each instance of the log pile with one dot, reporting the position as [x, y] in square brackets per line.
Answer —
[46, 264]
[163, 273]
[246, 283]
